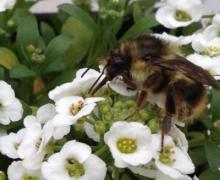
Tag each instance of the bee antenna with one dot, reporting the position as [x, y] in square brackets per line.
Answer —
[93, 85]
[87, 69]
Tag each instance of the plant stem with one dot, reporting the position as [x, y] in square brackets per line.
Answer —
[116, 174]
[102, 150]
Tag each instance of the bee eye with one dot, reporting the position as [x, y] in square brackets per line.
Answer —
[116, 59]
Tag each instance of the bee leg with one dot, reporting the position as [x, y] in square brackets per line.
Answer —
[131, 85]
[165, 128]
[148, 84]
[170, 111]
[142, 95]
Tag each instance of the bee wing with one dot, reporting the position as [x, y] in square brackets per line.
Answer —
[189, 69]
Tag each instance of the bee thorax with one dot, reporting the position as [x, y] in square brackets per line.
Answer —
[140, 71]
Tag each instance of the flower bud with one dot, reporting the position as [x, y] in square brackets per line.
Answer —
[100, 127]
[30, 48]
[10, 23]
[2, 175]
[154, 125]
[108, 116]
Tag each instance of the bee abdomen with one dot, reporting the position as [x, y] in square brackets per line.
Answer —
[193, 100]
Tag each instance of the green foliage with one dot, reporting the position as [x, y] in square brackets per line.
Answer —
[215, 101]
[7, 58]
[21, 71]
[213, 154]
[55, 53]
[209, 174]
[141, 27]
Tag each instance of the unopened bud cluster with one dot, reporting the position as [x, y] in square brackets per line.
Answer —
[36, 54]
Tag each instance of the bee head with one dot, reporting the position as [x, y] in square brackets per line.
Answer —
[115, 65]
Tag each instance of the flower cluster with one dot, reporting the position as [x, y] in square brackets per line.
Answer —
[206, 45]
[42, 151]
[173, 14]
[133, 146]
[204, 42]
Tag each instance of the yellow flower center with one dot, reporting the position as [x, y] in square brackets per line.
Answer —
[166, 156]
[126, 145]
[16, 145]
[74, 168]
[182, 16]
[75, 108]
[30, 178]
[211, 51]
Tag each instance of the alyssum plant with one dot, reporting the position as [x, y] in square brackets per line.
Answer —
[128, 91]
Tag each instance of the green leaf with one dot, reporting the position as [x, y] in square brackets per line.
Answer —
[81, 15]
[137, 12]
[55, 51]
[27, 31]
[27, 34]
[47, 32]
[141, 27]
[81, 42]
[147, 3]
[7, 58]
[215, 102]
[210, 175]
[189, 30]
[198, 155]
[213, 154]
[126, 177]
[2, 72]
[21, 71]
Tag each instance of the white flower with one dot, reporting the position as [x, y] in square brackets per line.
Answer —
[79, 86]
[90, 132]
[9, 143]
[71, 108]
[74, 161]
[213, 31]
[211, 64]
[178, 41]
[129, 143]
[36, 138]
[10, 107]
[206, 46]
[147, 170]
[162, 176]
[179, 13]
[121, 88]
[16, 171]
[173, 161]
[45, 115]
[6, 4]
[151, 171]
[179, 138]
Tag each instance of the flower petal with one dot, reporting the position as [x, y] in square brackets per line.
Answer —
[79, 151]
[95, 168]
[46, 113]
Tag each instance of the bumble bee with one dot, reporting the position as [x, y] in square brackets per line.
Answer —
[156, 69]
